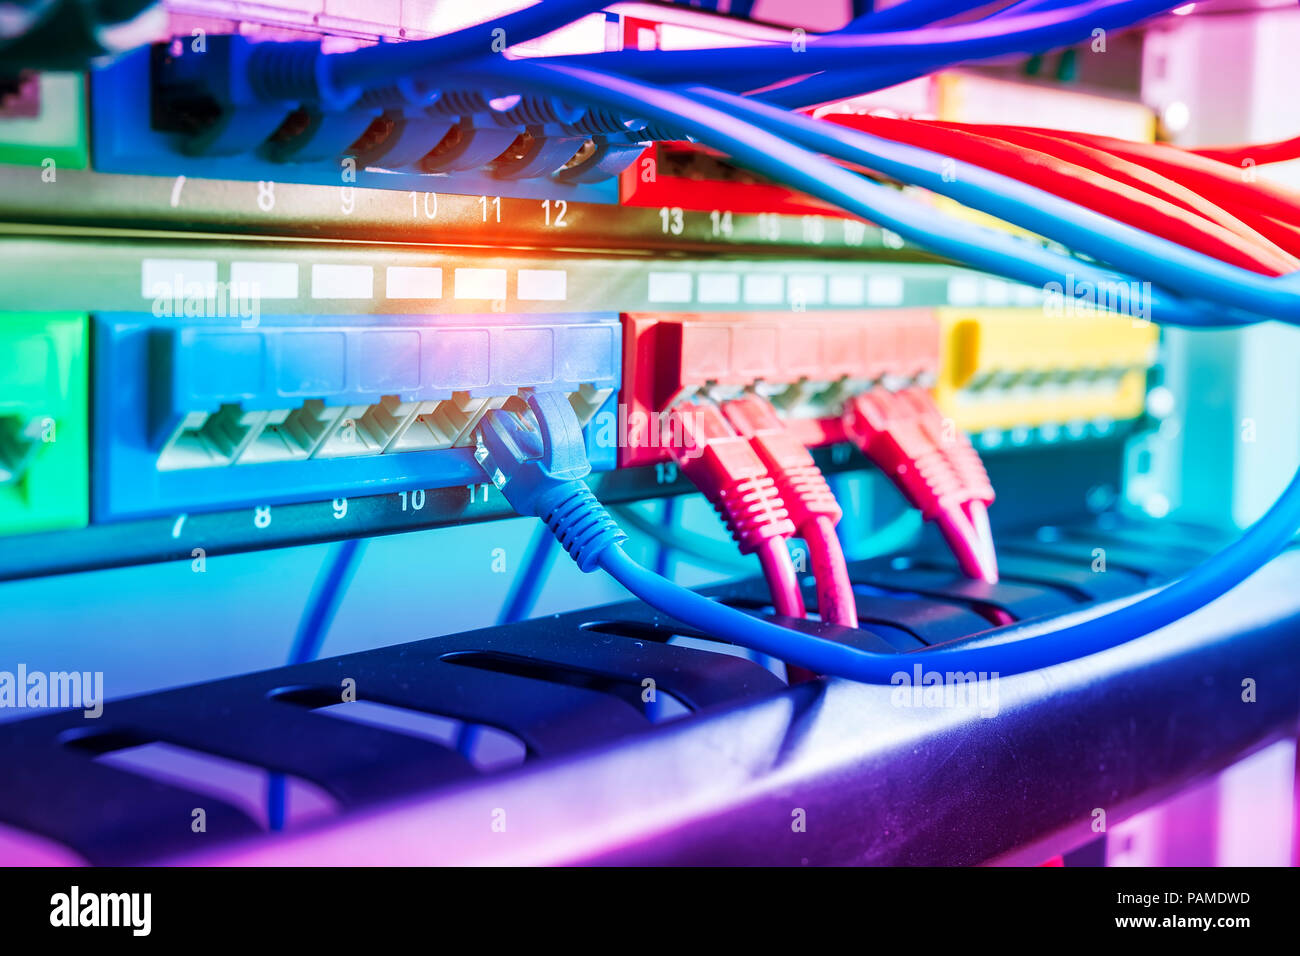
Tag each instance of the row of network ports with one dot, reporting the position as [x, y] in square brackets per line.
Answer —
[197, 415]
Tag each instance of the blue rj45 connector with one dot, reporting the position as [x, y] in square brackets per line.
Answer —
[540, 467]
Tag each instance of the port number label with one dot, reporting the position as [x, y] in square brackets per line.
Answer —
[495, 202]
[721, 222]
[262, 516]
[769, 226]
[412, 501]
[814, 230]
[176, 191]
[340, 508]
[561, 210]
[855, 231]
[430, 208]
[665, 472]
[265, 195]
[672, 221]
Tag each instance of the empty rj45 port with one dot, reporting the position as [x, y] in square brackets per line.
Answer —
[234, 436]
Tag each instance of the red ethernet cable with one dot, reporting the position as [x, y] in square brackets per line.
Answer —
[1119, 200]
[803, 488]
[936, 469]
[1133, 174]
[1265, 207]
[734, 479]
[1252, 154]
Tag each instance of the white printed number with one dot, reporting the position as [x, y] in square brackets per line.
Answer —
[412, 501]
[265, 195]
[430, 205]
[672, 221]
[561, 208]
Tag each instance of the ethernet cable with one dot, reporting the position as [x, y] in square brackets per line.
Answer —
[756, 64]
[323, 603]
[1229, 295]
[724, 466]
[342, 78]
[708, 552]
[1125, 171]
[1029, 162]
[1260, 204]
[1235, 296]
[1212, 579]
[832, 86]
[912, 13]
[808, 498]
[591, 537]
[1251, 154]
[699, 549]
[904, 435]
[1144, 255]
[539, 464]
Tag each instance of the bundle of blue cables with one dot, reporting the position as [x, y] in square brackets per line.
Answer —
[1178, 286]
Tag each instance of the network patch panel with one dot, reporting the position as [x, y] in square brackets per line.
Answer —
[201, 417]
[1008, 374]
[44, 422]
[807, 364]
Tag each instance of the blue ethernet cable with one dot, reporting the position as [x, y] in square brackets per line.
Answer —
[528, 585]
[1235, 291]
[1239, 296]
[664, 554]
[323, 603]
[912, 13]
[327, 593]
[1145, 255]
[539, 464]
[981, 39]
[843, 84]
[300, 71]
[571, 511]
[825, 87]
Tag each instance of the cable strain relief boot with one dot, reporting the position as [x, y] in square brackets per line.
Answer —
[296, 71]
[808, 495]
[729, 473]
[963, 459]
[580, 523]
[904, 442]
[968, 464]
[754, 513]
[799, 481]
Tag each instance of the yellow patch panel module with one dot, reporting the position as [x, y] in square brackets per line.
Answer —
[1019, 368]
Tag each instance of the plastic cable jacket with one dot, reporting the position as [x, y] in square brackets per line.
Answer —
[782, 581]
[985, 249]
[835, 599]
[1212, 579]
[1034, 31]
